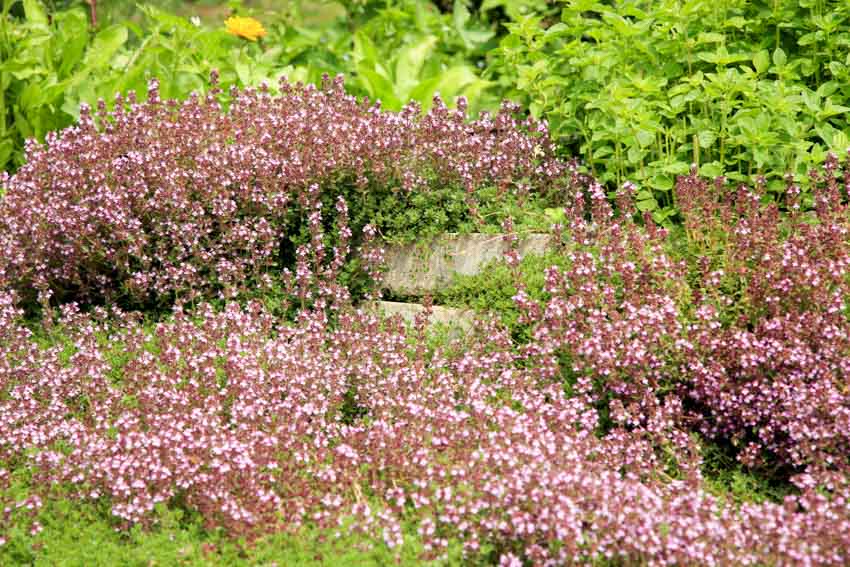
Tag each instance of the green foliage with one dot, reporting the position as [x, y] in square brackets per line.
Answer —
[494, 287]
[421, 53]
[53, 63]
[41, 61]
[78, 533]
[640, 89]
[732, 482]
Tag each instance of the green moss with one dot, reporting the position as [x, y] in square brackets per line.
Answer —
[733, 483]
[84, 534]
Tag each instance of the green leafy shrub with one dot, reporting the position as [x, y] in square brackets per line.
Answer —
[494, 288]
[642, 89]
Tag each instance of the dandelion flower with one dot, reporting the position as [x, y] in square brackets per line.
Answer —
[249, 28]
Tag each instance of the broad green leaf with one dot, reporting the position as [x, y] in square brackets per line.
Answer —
[828, 88]
[761, 61]
[104, 46]
[450, 83]
[645, 138]
[661, 182]
[761, 155]
[243, 70]
[722, 57]
[528, 74]
[557, 30]
[55, 91]
[712, 169]
[35, 12]
[706, 138]
[22, 124]
[409, 63]
[32, 96]
[602, 152]
[536, 109]
[776, 185]
[779, 58]
[6, 149]
[677, 168]
[134, 77]
[711, 37]
[809, 38]
[423, 93]
[71, 107]
[364, 49]
[71, 39]
[840, 142]
[25, 72]
[661, 216]
[378, 86]
[187, 82]
[471, 38]
[647, 205]
[830, 110]
[735, 22]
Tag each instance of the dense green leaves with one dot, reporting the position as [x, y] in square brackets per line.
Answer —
[640, 90]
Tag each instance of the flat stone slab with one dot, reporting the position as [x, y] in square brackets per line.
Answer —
[417, 270]
[460, 319]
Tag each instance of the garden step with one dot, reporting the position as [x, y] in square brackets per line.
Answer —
[417, 270]
[460, 319]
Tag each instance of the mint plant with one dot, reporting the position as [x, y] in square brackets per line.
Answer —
[641, 90]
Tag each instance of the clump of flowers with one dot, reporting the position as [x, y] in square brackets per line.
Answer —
[161, 199]
[245, 27]
[745, 337]
[262, 428]
[772, 340]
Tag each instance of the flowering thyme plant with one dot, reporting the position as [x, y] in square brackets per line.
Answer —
[162, 199]
[266, 428]
[745, 334]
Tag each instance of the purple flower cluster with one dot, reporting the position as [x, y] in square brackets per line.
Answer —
[161, 199]
[746, 339]
[264, 428]
[772, 346]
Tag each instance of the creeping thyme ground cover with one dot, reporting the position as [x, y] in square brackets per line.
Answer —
[176, 339]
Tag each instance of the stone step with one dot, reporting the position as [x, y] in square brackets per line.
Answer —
[414, 270]
[459, 319]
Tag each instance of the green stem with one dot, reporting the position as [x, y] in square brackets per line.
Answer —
[4, 55]
[619, 162]
[2, 107]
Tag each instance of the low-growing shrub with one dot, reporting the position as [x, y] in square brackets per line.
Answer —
[738, 326]
[164, 199]
[251, 424]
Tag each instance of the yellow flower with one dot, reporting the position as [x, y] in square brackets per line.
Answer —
[249, 28]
